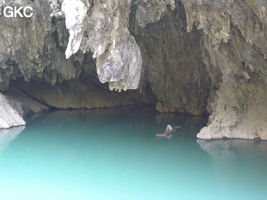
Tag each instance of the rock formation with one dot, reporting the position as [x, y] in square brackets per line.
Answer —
[102, 28]
[9, 116]
[80, 94]
[172, 63]
[190, 56]
[235, 52]
[25, 104]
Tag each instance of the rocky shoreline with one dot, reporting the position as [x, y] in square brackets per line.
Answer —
[9, 116]
[194, 57]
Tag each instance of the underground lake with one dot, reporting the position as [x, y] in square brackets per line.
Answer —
[113, 155]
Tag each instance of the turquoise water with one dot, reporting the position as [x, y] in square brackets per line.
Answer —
[113, 155]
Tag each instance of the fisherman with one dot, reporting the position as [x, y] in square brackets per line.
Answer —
[169, 132]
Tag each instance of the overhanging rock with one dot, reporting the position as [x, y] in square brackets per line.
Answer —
[102, 27]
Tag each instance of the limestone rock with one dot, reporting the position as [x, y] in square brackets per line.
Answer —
[81, 94]
[173, 66]
[23, 103]
[9, 117]
[196, 57]
[28, 47]
[75, 12]
[234, 50]
[31, 47]
[151, 11]
[103, 29]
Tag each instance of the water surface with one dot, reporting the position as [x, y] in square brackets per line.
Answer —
[113, 155]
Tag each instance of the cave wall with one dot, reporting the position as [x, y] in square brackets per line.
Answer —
[172, 63]
[234, 45]
[195, 57]
[28, 49]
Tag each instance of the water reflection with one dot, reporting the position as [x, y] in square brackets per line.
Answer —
[233, 149]
[190, 125]
[8, 135]
[238, 167]
[126, 120]
[113, 154]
